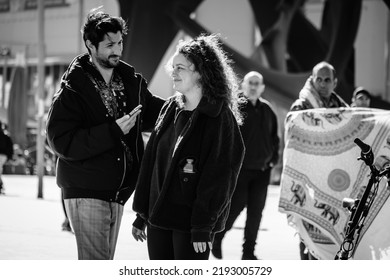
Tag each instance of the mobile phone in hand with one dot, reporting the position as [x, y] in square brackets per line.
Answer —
[135, 110]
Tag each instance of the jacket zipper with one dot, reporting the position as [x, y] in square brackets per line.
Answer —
[138, 121]
[124, 175]
[181, 136]
[136, 144]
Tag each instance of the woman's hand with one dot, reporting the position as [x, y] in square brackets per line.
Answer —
[200, 247]
[139, 234]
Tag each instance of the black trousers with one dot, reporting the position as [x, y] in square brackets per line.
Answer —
[251, 192]
[172, 245]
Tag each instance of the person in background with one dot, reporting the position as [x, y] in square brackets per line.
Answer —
[6, 153]
[193, 156]
[361, 98]
[97, 137]
[260, 134]
[318, 92]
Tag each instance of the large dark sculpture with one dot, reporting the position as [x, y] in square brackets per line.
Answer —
[286, 33]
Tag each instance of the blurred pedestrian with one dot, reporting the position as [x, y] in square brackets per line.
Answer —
[361, 98]
[6, 153]
[318, 92]
[98, 140]
[260, 134]
[193, 156]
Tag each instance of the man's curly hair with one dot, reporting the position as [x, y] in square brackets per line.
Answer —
[217, 78]
[98, 24]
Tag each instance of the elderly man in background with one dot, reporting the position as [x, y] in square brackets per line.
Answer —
[260, 134]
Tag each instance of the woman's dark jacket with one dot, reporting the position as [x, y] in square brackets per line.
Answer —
[87, 140]
[195, 202]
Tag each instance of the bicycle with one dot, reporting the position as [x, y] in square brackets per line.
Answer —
[359, 208]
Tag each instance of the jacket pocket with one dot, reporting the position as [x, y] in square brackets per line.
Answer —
[188, 183]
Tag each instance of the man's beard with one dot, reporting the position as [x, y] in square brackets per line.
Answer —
[109, 62]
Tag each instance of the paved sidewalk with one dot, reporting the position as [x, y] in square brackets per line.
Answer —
[30, 228]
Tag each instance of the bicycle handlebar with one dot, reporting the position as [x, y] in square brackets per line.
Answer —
[366, 152]
[361, 207]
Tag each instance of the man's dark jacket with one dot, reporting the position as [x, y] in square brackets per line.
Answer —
[87, 140]
[260, 134]
[195, 202]
[6, 145]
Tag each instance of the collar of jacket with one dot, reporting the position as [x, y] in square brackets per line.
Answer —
[73, 77]
[204, 107]
[211, 109]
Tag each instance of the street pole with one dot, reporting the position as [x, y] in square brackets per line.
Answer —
[5, 53]
[41, 109]
[81, 19]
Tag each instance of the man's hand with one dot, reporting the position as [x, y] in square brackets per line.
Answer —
[127, 122]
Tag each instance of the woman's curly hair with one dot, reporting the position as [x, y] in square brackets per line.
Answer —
[217, 78]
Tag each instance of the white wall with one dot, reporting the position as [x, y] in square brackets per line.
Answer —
[232, 19]
[371, 47]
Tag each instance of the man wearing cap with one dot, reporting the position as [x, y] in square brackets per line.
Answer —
[361, 98]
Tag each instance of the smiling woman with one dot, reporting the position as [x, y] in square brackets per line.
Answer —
[193, 156]
[185, 80]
